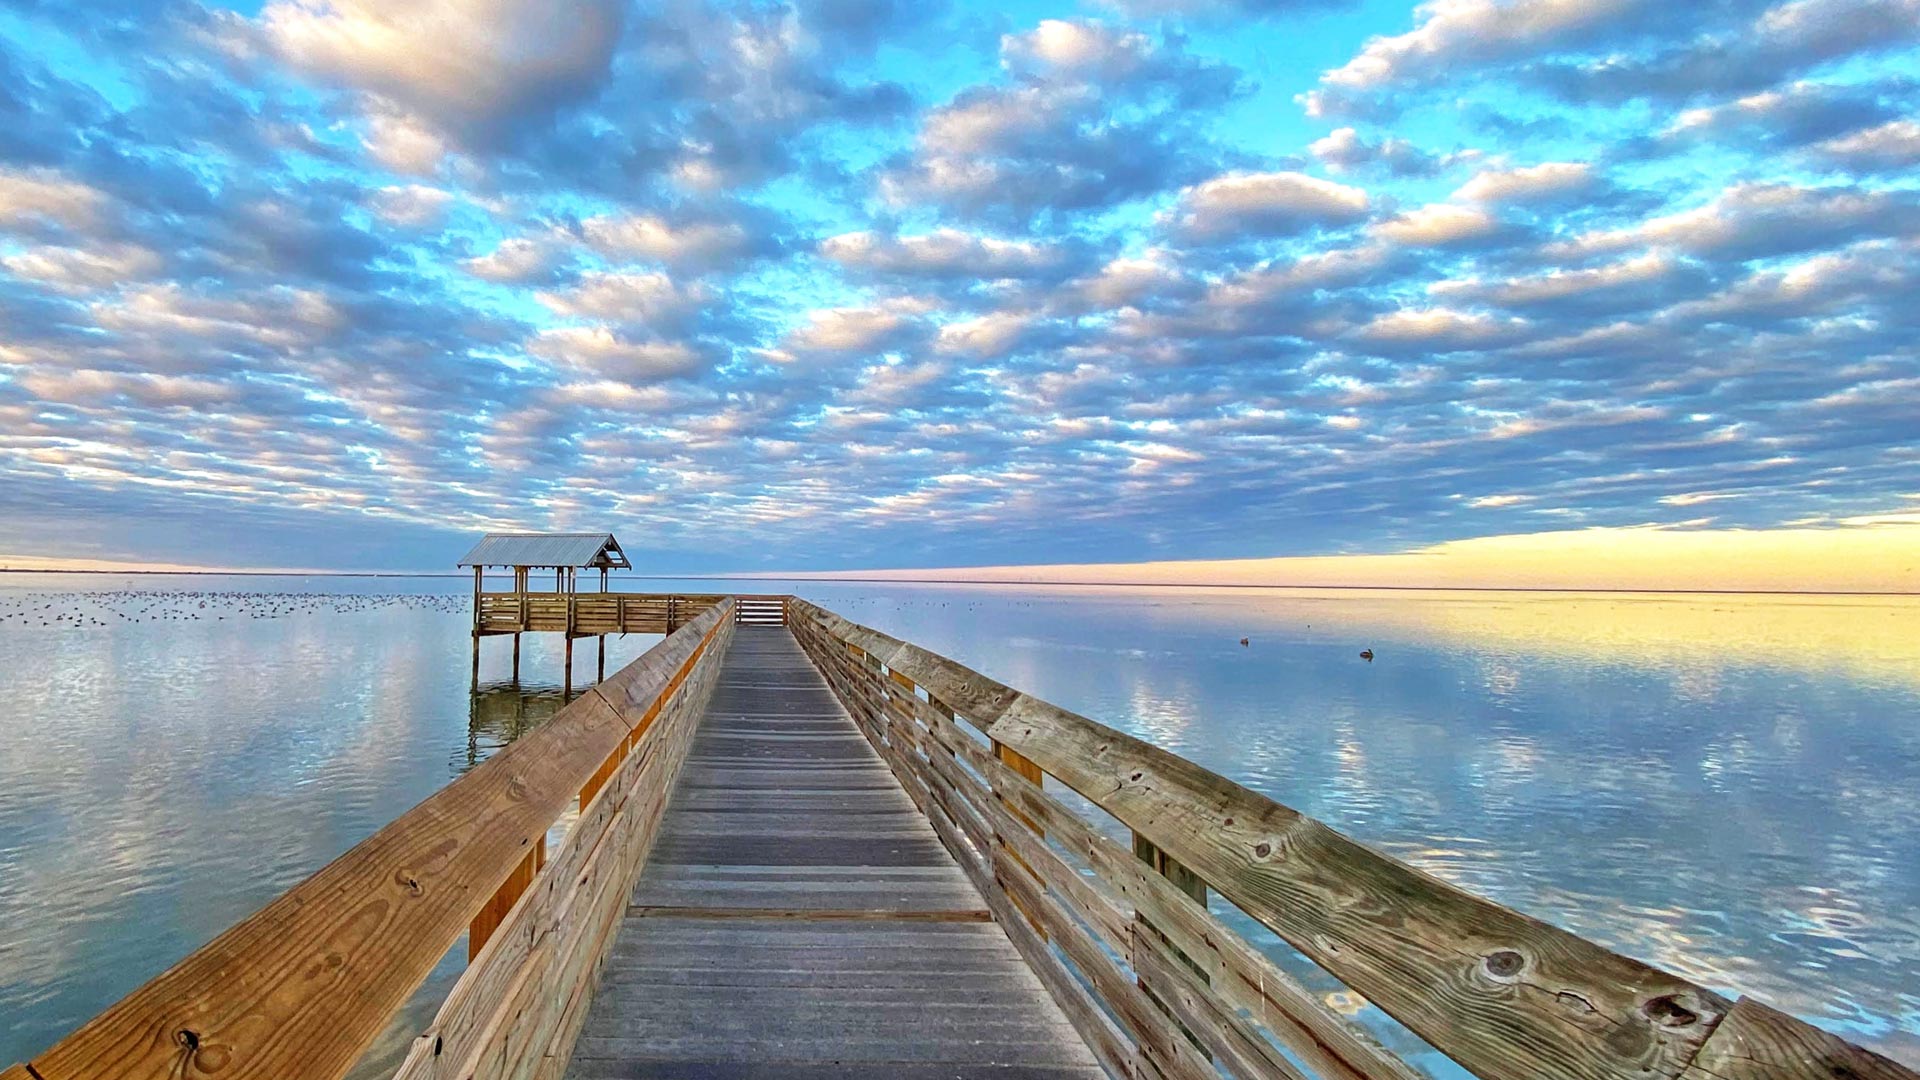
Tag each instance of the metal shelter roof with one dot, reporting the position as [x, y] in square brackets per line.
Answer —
[548, 549]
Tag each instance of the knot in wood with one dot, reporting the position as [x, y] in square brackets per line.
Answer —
[189, 1039]
[1667, 1011]
[1262, 849]
[1135, 778]
[1505, 963]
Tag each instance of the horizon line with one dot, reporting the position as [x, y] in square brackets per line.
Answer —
[988, 581]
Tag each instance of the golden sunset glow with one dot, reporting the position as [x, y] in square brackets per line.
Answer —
[1880, 555]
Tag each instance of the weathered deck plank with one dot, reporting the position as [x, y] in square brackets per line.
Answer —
[799, 917]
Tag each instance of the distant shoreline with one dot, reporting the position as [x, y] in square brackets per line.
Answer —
[988, 581]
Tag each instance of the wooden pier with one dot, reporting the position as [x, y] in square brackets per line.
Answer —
[795, 846]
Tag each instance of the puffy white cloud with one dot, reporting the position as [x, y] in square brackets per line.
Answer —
[944, 253]
[987, 336]
[857, 330]
[1892, 145]
[83, 270]
[412, 206]
[1344, 150]
[466, 64]
[596, 350]
[1455, 33]
[404, 144]
[518, 260]
[1263, 204]
[31, 195]
[1082, 49]
[1437, 225]
[1559, 286]
[1528, 184]
[691, 244]
[1093, 116]
[1438, 329]
[650, 299]
[1751, 220]
[140, 388]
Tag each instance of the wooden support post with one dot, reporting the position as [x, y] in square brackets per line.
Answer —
[477, 571]
[491, 916]
[567, 691]
[1029, 769]
[1184, 879]
[601, 676]
[1187, 882]
[516, 659]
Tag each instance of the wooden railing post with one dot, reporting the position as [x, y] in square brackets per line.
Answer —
[502, 901]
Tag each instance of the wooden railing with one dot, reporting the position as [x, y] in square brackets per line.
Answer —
[1160, 987]
[589, 613]
[298, 990]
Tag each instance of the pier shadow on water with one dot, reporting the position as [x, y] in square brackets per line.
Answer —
[500, 712]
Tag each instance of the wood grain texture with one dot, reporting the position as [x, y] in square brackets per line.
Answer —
[300, 987]
[1755, 1042]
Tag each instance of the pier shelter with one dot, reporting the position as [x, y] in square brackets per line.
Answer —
[564, 610]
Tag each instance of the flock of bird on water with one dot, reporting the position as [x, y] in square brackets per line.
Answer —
[59, 609]
[55, 610]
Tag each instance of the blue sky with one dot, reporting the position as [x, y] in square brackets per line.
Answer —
[855, 283]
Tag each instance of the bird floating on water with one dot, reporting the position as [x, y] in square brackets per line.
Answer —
[1367, 655]
[1243, 641]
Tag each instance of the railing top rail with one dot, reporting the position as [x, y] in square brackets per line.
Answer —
[302, 986]
[1503, 994]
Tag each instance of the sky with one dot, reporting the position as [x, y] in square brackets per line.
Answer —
[852, 284]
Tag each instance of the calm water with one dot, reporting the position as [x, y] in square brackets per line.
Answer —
[1725, 786]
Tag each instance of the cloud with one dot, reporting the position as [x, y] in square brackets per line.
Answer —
[946, 253]
[1344, 150]
[83, 270]
[35, 196]
[598, 351]
[1238, 205]
[1888, 147]
[1731, 55]
[475, 67]
[1455, 34]
[411, 206]
[1756, 220]
[1529, 184]
[1096, 116]
[1437, 225]
[1438, 329]
[1221, 10]
[136, 388]
[690, 242]
[403, 144]
[1638, 282]
[858, 331]
[651, 300]
[518, 260]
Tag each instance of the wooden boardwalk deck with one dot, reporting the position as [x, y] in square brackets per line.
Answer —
[798, 917]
